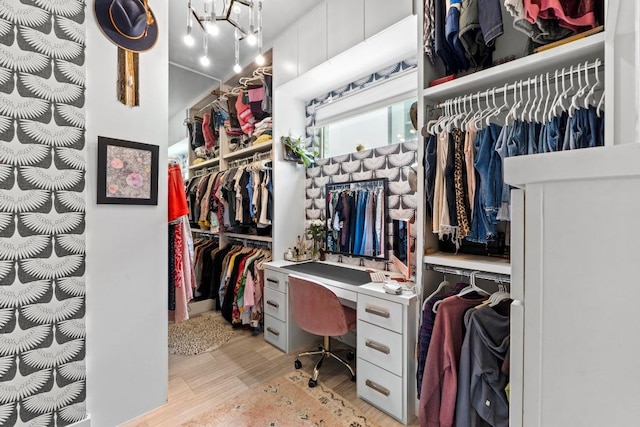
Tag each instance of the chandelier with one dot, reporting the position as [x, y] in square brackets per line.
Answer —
[230, 11]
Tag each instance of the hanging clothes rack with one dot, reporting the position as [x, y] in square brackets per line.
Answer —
[260, 244]
[359, 185]
[495, 277]
[548, 77]
[257, 157]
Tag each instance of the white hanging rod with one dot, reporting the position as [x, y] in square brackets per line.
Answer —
[498, 278]
[257, 157]
[554, 76]
[250, 242]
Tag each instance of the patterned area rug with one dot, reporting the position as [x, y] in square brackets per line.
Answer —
[284, 402]
[198, 335]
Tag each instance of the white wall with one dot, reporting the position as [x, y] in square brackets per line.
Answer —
[126, 245]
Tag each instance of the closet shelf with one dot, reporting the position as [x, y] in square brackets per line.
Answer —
[470, 262]
[249, 237]
[588, 48]
[245, 152]
[206, 163]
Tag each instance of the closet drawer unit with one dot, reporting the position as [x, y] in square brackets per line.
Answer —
[275, 280]
[380, 347]
[275, 332]
[380, 388]
[275, 304]
[380, 312]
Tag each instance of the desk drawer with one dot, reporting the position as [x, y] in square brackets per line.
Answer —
[275, 280]
[380, 347]
[380, 312]
[275, 304]
[275, 332]
[380, 388]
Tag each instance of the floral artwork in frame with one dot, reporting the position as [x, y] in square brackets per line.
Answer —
[127, 172]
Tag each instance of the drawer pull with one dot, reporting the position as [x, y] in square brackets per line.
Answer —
[274, 281]
[273, 331]
[377, 312]
[273, 303]
[377, 346]
[377, 387]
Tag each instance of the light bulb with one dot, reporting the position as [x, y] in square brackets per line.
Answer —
[205, 61]
[213, 29]
[260, 60]
[252, 39]
[188, 40]
[237, 68]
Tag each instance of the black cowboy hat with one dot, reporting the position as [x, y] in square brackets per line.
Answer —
[126, 23]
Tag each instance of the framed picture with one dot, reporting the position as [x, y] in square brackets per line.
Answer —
[127, 172]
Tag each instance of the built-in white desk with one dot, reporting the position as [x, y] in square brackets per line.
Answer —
[386, 335]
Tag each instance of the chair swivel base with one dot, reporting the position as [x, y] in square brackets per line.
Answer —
[324, 352]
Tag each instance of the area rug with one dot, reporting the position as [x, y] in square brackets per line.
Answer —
[198, 335]
[284, 402]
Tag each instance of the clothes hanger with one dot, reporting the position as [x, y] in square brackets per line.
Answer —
[444, 284]
[565, 94]
[600, 106]
[473, 287]
[546, 101]
[497, 109]
[574, 99]
[537, 112]
[590, 94]
[516, 103]
[526, 104]
[535, 101]
[483, 113]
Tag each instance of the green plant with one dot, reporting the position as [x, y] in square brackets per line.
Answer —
[297, 150]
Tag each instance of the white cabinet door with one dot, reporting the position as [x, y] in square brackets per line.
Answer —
[285, 56]
[312, 39]
[381, 14]
[345, 25]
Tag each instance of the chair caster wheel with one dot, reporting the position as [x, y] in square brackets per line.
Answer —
[312, 382]
[353, 378]
[350, 356]
[297, 364]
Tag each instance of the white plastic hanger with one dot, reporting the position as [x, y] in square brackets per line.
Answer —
[497, 110]
[478, 122]
[546, 101]
[444, 284]
[590, 94]
[526, 105]
[472, 286]
[534, 101]
[581, 89]
[516, 103]
[600, 106]
[565, 93]
[550, 111]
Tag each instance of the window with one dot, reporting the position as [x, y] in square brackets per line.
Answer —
[385, 125]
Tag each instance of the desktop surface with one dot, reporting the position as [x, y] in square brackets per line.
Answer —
[332, 272]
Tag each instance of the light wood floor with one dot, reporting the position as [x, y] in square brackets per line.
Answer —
[199, 383]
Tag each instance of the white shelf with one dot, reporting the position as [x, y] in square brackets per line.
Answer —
[588, 48]
[250, 237]
[245, 152]
[470, 262]
[206, 163]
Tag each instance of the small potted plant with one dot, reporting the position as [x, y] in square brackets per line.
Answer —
[296, 151]
[316, 232]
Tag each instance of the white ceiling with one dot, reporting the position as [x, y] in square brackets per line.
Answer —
[185, 85]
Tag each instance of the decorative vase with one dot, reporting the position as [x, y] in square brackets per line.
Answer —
[315, 252]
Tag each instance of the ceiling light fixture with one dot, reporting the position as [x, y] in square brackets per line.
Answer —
[215, 11]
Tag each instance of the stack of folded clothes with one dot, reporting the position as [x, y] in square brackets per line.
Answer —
[262, 131]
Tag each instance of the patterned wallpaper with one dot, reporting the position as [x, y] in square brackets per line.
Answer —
[42, 205]
[391, 162]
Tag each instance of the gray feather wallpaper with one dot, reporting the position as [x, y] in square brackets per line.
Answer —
[42, 212]
[391, 162]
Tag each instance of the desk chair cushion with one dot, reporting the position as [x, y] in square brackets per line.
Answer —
[317, 310]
